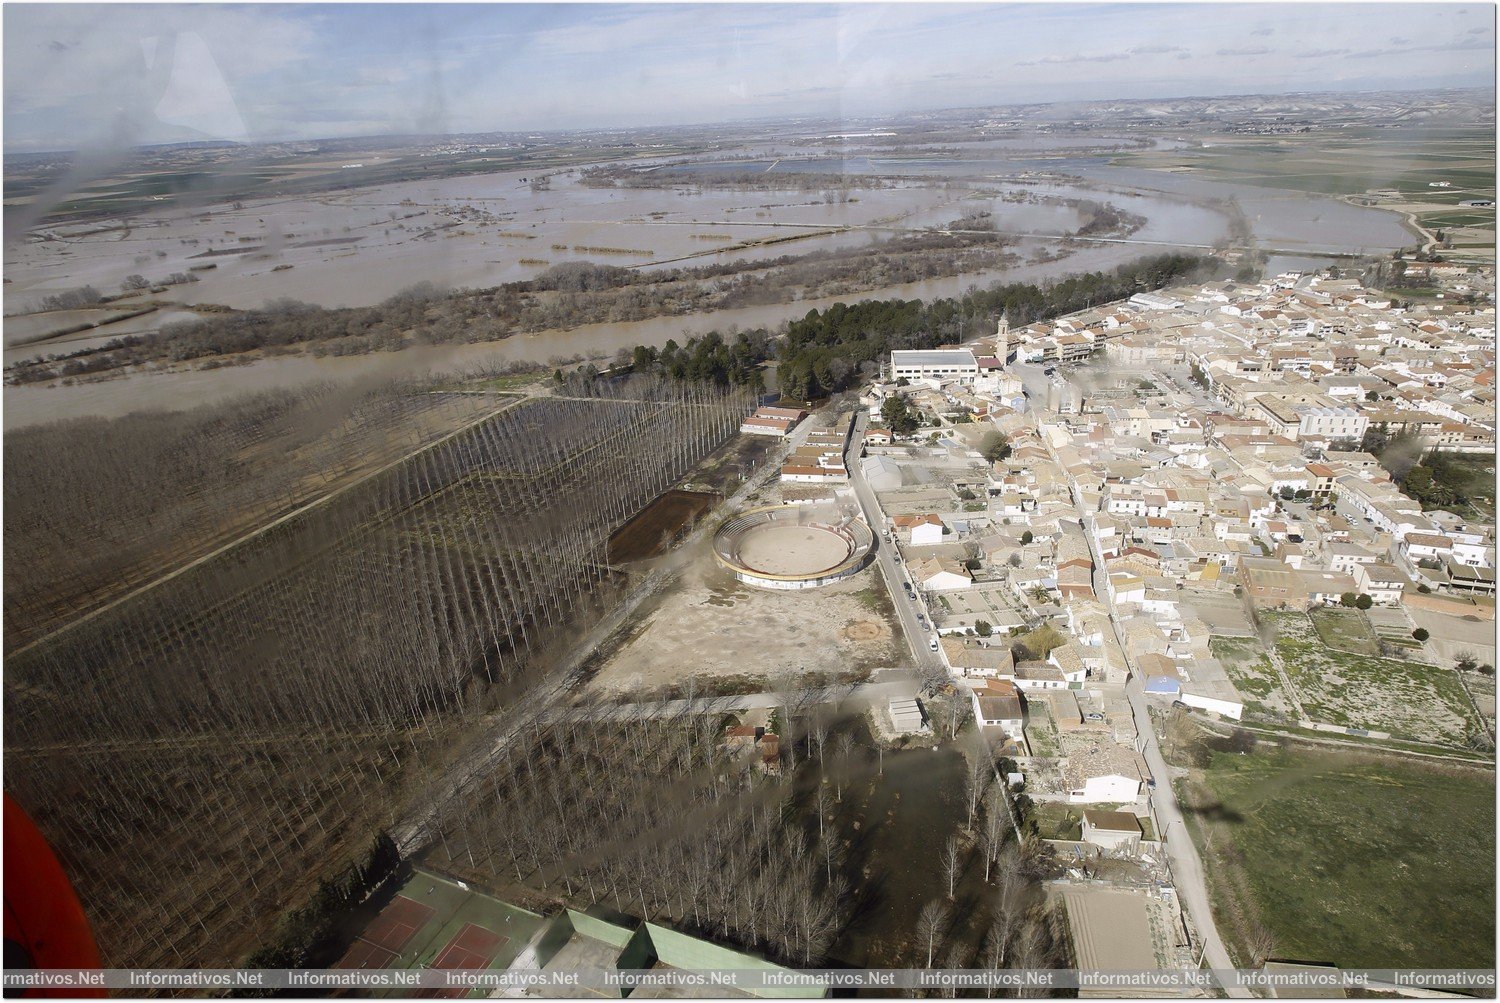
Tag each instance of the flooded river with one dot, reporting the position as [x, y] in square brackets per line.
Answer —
[360, 247]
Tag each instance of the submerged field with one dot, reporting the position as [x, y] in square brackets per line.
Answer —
[1356, 860]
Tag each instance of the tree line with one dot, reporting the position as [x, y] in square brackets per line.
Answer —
[200, 754]
[576, 293]
[96, 505]
[829, 351]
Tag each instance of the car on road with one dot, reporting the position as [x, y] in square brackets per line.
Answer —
[932, 645]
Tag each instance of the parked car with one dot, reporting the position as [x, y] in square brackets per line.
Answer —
[932, 645]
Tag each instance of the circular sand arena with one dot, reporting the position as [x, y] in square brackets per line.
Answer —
[784, 547]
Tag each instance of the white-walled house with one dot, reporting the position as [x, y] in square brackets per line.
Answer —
[941, 364]
[1202, 699]
[998, 705]
[925, 530]
[1105, 773]
[1380, 581]
[1115, 831]
[940, 575]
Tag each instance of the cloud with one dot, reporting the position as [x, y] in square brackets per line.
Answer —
[1460, 45]
[1056, 60]
[75, 73]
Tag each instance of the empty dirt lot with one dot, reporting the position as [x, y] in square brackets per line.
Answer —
[728, 636]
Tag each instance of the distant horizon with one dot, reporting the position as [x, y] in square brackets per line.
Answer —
[121, 76]
[902, 118]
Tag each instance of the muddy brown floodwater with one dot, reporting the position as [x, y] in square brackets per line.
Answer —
[895, 824]
[360, 247]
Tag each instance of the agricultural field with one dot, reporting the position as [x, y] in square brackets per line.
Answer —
[338, 662]
[1250, 669]
[1409, 700]
[1349, 162]
[1424, 174]
[1353, 859]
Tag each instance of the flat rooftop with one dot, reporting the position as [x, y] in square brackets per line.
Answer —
[938, 357]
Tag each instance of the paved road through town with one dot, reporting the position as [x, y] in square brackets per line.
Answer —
[928, 662]
[1187, 867]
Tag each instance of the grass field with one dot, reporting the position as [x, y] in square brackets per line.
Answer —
[1409, 700]
[1345, 629]
[1353, 859]
[1251, 671]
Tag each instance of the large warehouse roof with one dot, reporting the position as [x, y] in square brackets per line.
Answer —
[945, 357]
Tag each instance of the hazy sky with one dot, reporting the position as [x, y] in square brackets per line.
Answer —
[79, 75]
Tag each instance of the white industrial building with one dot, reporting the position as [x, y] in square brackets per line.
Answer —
[942, 364]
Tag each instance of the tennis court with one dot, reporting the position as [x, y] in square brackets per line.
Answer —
[474, 947]
[386, 937]
[438, 923]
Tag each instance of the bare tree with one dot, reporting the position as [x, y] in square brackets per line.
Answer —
[1260, 942]
[952, 863]
[977, 777]
[337, 657]
[932, 927]
[956, 958]
[845, 745]
[1011, 900]
[993, 825]
[1033, 950]
[822, 806]
[819, 735]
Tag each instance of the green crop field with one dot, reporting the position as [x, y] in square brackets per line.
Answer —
[1353, 859]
